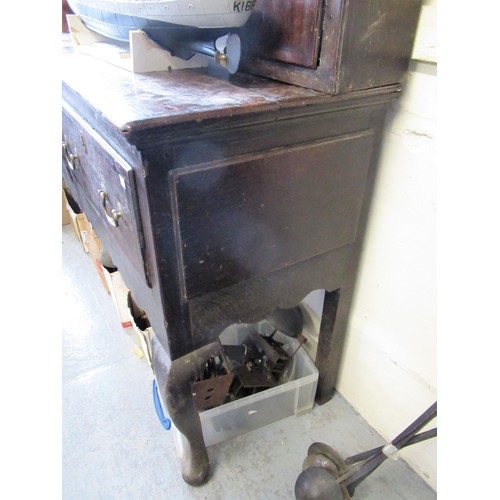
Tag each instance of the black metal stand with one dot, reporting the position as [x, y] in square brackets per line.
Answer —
[325, 474]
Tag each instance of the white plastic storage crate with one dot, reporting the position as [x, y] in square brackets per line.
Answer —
[247, 414]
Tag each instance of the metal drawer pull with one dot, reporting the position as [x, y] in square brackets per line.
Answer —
[71, 158]
[115, 215]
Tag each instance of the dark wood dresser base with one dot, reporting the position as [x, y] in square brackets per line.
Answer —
[221, 199]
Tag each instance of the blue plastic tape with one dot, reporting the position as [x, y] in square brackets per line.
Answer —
[164, 421]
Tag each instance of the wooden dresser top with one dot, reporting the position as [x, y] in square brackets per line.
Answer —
[134, 102]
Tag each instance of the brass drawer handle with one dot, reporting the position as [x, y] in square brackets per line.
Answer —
[72, 159]
[115, 215]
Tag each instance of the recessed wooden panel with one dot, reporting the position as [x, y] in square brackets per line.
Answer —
[245, 218]
[285, 31]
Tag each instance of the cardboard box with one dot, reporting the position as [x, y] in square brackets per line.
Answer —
[119, 292]
[66, 217]
[142, 327]
[77, 217]
[93, 244]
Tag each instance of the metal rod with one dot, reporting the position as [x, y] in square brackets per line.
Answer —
[412, 429]
[356, 474]
[303, 340]
[370, 453]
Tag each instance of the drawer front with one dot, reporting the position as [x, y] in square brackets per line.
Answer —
[260, 213]
[107, 191]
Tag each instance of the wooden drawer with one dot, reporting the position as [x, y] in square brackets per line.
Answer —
[105, 185]
[244, 218]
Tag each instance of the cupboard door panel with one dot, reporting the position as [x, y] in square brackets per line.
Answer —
[240, 219]
[286, 31]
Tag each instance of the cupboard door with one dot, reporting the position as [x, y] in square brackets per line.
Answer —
[334, 46]
[286, 31]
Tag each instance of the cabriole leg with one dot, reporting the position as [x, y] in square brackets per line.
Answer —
[184, 414]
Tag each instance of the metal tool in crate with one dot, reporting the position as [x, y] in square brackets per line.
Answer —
[326, 475]
[259, 363]
[241, 370]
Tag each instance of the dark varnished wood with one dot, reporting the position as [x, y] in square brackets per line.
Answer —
[201, 147]
[361, 44]
[160, 149]
[252, 300]
[377, 42]
[247, 217]
[239, 194]
[294, 145]
[328, 346]
[148, 101]
[286, 31]
[99, 168]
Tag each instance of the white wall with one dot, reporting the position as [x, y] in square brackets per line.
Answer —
[389, 368]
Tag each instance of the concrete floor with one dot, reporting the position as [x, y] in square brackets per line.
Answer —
[115, 447]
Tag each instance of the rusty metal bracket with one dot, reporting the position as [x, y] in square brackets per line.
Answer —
[212, 391]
